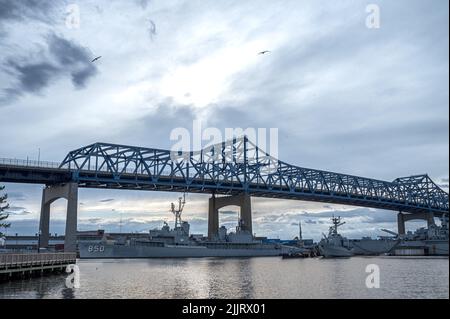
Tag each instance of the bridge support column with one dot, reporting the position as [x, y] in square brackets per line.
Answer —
[246, 213]
[50, 194]
[402, 218]
[44, 222]
[401, 224]
[216, 203]
[70, 239]
[213, 219]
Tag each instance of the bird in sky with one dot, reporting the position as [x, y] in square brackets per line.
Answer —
[97, 58]
[263, 52]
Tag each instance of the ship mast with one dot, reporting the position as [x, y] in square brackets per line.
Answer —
[336, 223]
[177, 211]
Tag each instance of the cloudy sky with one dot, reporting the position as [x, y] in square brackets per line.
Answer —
[345, 97]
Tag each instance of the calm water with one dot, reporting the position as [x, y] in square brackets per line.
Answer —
[243, 278]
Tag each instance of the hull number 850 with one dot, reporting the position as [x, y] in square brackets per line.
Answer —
[96, 248]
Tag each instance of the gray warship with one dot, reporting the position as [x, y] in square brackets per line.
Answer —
[372, 247]
[334, 245]
[431, 241]
[178, 243]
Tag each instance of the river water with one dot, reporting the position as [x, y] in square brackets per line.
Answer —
[244, 278]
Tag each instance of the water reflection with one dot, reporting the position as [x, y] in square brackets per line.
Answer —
[232, 276]
[67, 293]
[188, 284]
[33, 288]
[244, 278]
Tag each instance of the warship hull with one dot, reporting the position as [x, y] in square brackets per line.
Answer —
[371, 247]
[437, 247]
[422, 248]
[332, 251]
[98, 251]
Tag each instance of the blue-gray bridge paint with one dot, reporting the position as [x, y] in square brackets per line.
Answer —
[232, 167]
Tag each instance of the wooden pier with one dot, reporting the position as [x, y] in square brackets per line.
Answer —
[24, 265]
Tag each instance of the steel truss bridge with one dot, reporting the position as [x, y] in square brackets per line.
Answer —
[229, 168]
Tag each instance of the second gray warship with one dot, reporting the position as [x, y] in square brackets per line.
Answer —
[372, 247]
[431, 241]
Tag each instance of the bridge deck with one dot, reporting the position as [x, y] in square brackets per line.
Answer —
[215, 171]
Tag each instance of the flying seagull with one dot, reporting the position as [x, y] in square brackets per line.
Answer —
[97, 58]
[263, 52]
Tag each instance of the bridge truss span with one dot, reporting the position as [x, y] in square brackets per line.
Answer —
[239, 166]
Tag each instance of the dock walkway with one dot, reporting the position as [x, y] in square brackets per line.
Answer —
[32, 264]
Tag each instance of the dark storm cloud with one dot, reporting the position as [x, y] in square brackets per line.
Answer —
[33, 77]
[60, 58]
[72, 58]
[153, 129]
[68, 53]
[80, 77]
[27, 9]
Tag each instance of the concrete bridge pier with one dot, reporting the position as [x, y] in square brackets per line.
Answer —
[215, 203]
[50, 194]
[403, 218]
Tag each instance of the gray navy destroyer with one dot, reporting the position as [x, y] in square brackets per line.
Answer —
[335, 245]
[179, 243]
[431, 241]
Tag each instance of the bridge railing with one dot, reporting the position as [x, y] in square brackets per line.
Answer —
[47, 164]
[28, 163]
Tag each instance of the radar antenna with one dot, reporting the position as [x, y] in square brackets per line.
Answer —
[336, 223]
[177, 211]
